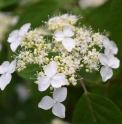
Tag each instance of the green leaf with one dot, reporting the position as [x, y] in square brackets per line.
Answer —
[94, 109]
[29, 71]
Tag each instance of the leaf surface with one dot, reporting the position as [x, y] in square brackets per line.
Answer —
[94, 109]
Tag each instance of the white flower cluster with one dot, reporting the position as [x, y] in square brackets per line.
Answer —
[70, 49]
[6, 20]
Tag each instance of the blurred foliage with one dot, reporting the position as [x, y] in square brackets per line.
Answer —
[106, 17]
[7, 3]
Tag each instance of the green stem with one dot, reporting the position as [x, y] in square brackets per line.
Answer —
[83, 86]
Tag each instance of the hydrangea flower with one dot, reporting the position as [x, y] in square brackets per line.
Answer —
[65, 37]
[110, 46]
[51, 78]
[16, 36]
[74, 48]
[6, 69]
[108, 62]
[58, 109]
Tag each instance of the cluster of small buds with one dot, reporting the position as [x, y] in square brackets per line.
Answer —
[86, 44]
[32, 39]
[70, 49]
[35, 49]
[59, 22]
[91, 60]
[98, 39]
[43, 31]
[24, 58]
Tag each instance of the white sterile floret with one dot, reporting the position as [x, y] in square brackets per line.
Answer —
[110, 46]
[58, 109]
[6, 69]
[16, 36]
[51, 78]
[65, 37]
[108, 61]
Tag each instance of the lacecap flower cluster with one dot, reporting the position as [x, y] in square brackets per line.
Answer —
[70, 49]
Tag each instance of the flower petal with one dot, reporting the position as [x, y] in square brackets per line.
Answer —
[15, 44]
[46, 103]
[114, 48]
[12, 66]
[5, 80]
[106, 73]
[58, 80]
[58, 35]
[69, 44]
[114, 62]
[108, 52]
[68, 31]
[44, 83]
[112, 51]
[51, 69]
[104, 59]
[4, 67]
[106, 43]
[13, 36]
[59, 110]
[59, 76]
[60, 94]
[110, 46]
[24, 29]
